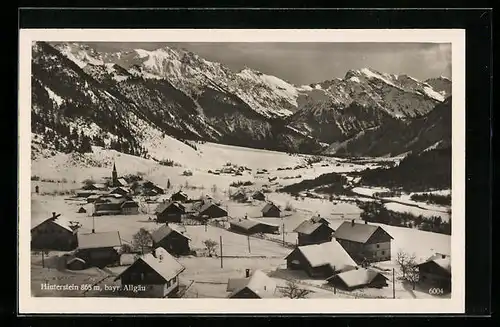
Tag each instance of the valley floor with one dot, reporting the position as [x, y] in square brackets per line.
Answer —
[204, 275]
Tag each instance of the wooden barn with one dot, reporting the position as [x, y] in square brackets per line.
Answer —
[271, 210]
[211, 210]
[364, 242]
[358, 278]
[179, 196]
[311, 232]
[436, 271]
[250, 226]
[54, 233]
[256, 286]
[174, 241]
[320, 260]
[98, 249]
[157, 271]
[169, 212]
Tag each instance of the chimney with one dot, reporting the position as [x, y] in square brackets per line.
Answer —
[247, 273]
[352, 222]
[54, 215]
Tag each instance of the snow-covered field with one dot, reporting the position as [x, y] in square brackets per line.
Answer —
[65, 172]
[403, 203]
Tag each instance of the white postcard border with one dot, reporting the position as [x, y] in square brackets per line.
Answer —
[31, 305]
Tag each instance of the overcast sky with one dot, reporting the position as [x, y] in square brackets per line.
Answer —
[304, 63]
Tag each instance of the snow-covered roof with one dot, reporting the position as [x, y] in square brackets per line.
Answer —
[164, 231]
[270, 206]
[163, 206]
[250, 223]
[58, 220]
[444, 263]
[160, 261]
[259, 283]
[122, 181]
[328, 253]
[308, 227]
[357, 277]
[355, 232]
[99, 240]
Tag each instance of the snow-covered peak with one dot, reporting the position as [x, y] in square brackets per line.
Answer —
[80, 54]
[281, 87]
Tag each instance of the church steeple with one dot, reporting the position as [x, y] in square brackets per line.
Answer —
[115, 175]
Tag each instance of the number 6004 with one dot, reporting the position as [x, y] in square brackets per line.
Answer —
[436, 291]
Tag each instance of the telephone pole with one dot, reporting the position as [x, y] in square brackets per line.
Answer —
[393, 283]
[221, 264]
[283, 234]
[248, 238]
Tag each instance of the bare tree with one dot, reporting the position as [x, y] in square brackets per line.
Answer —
[142, 239]
[293, 291]
[211, 246]
[214, 188]
[412, 275]
[406, 262]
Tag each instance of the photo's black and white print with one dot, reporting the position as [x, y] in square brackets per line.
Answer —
[241, 170]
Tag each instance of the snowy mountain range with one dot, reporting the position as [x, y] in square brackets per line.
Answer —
[123, 99]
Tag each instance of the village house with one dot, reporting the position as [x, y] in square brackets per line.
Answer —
[98, 249]
[239, 196]
[256, 286]
[148, 192]
[250, 226]
[314, 231]
[93, 198]
[271, 210]
[115, 205]
[358, 278]
[121, 191]
[174, 241]
[169, 212]
[258, 195]
[149, 188]
[211, 210]
[320, 260]
[82, 210]
[111, 206]
[54, 233]
[158, 272]
[436, 271]
[179, 196]
[130, 208]
[95, 187]
[364, 242]
[84, 193]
